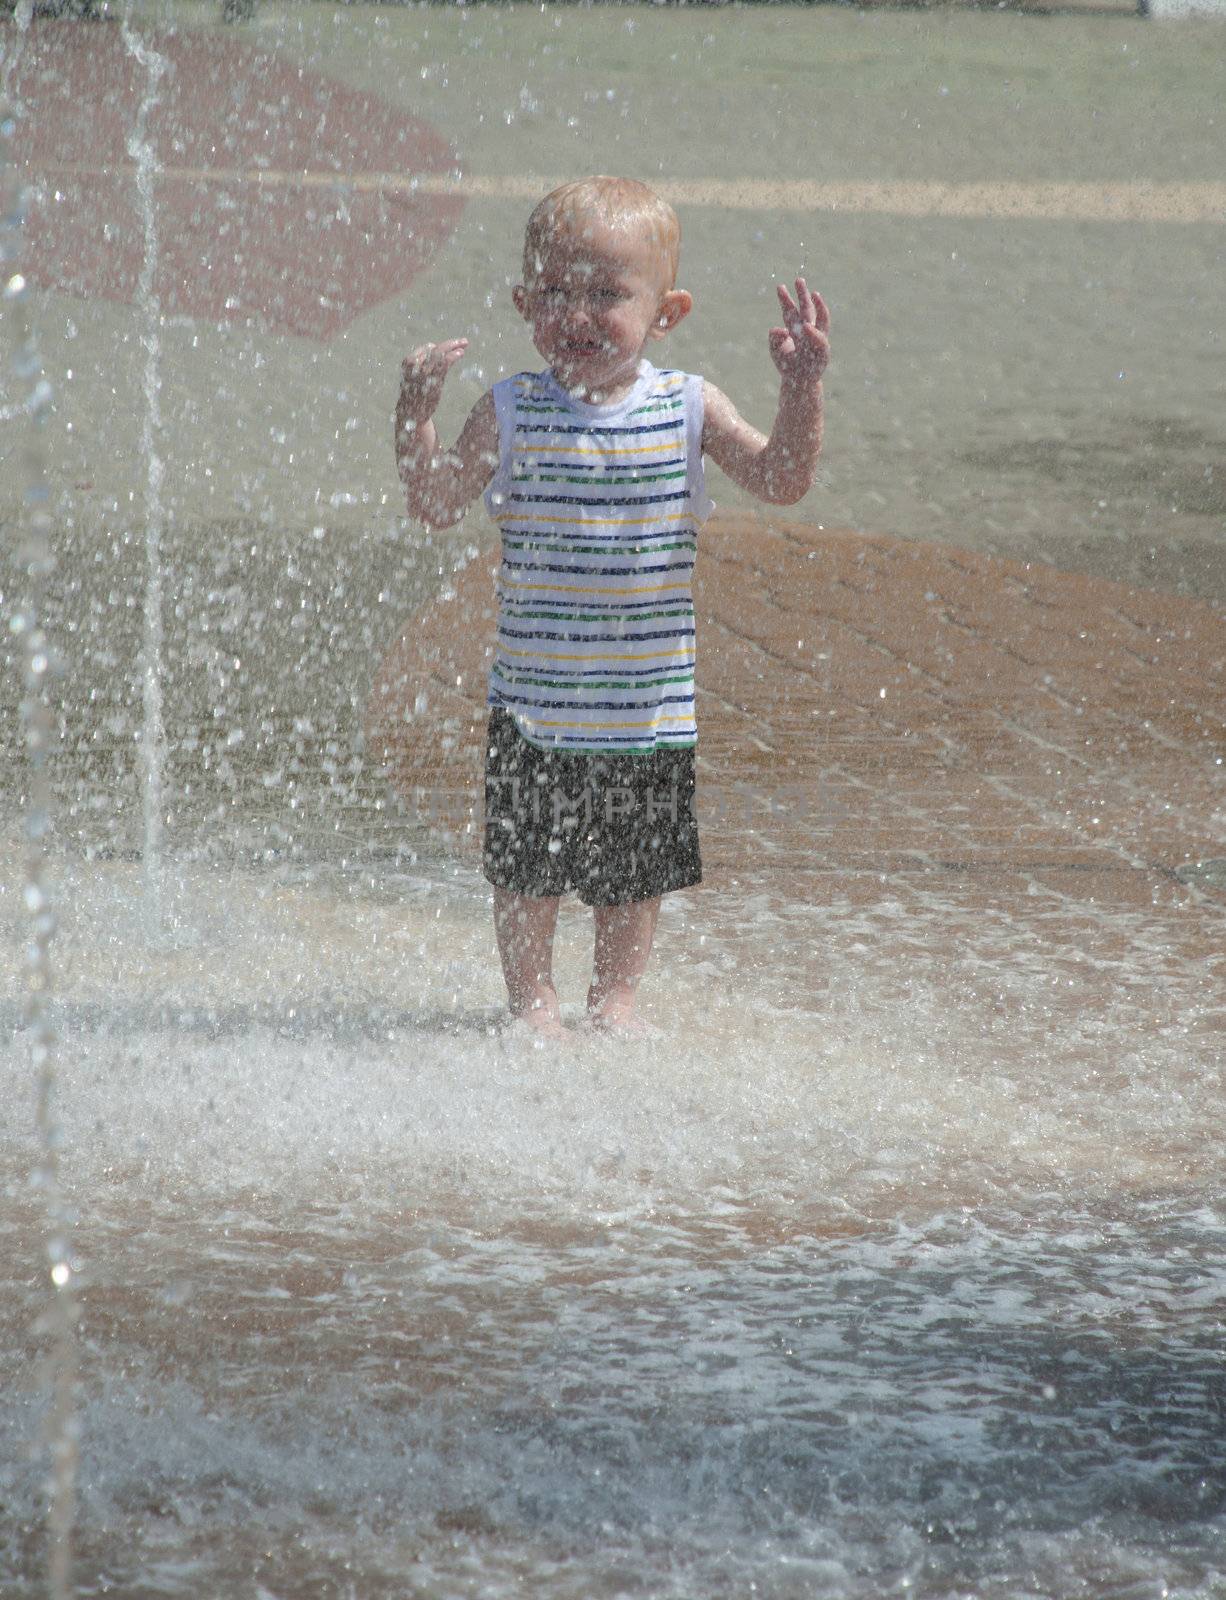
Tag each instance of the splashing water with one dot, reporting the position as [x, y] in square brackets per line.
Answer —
[878, 1299]
[35, 561]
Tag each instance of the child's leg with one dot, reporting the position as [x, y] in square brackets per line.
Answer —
[524, 927]
[623, 944]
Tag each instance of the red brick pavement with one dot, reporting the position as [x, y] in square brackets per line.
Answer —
[933, 705]
[1016, 762]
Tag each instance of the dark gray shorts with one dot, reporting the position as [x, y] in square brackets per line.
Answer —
[614, 828]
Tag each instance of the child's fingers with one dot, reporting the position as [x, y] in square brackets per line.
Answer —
[821, 313]
[422, 376]
[812, 306]
[420, 367]
[801, 302]
[791, 311]
[808, 308]
[818, 347]
[433, 357]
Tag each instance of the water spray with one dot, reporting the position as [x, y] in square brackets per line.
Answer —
[34, 563]
[153, 735]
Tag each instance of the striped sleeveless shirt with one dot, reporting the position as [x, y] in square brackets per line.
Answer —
[599, 509]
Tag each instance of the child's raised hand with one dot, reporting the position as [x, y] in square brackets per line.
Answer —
[801, 348]
[421, 381]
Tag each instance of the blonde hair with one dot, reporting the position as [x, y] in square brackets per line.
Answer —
[615, 202]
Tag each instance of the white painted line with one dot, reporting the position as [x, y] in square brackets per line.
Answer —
[1139, 201]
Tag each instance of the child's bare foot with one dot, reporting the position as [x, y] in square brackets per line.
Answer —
[631, 1027]
[524, 926]
[541, 1013]
[613, 1010]
[623, 943]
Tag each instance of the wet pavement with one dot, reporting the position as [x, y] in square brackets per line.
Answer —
[884, 722]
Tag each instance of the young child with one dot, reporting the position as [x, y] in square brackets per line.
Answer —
[593, 470]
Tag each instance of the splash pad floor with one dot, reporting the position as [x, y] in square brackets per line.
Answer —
[891, 1262]
[882, 723]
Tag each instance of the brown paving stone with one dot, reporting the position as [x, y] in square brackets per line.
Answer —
[1049, 746]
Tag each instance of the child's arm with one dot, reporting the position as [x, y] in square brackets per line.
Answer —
[441, 485]
[780, 469]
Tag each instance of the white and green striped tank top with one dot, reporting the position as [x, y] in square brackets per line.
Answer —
[599, 508]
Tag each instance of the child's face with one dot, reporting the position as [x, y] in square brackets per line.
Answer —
[599, 296]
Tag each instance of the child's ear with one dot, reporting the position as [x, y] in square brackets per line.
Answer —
[519, 298]
[673, 308]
